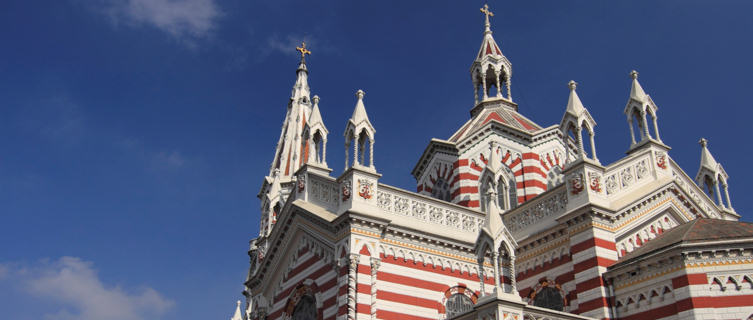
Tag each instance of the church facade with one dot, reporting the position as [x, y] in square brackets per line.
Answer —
[510, 220]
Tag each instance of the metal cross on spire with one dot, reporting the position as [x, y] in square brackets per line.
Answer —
[303, 51]
[485, 10]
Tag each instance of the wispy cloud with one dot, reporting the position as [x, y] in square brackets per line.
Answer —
[185, 20]
[74, 285]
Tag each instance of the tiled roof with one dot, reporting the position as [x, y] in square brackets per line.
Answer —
[695, 231]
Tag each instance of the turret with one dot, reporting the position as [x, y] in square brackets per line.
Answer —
[576, 119]
[711, 175]
[638, 108]
[359, 132]
[490, 69]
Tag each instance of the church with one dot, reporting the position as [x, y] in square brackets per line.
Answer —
[510, 220]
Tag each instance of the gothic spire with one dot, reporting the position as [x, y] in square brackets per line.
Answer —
[490, 68]
[237, 314]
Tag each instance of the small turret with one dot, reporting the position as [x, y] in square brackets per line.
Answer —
[638, 107]
[576, 119]
[710, 175]
[237, 315]
[360, 132]
[490, 68]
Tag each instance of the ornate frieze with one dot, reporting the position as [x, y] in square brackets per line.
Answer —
[531, 215]
[422, 210]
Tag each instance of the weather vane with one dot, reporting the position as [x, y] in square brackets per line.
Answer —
[303, 51]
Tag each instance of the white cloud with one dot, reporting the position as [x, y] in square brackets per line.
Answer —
[183, 19]
[75, 286]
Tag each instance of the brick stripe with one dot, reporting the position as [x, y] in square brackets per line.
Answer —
[406, 299]
[593, 242]
[384, 314]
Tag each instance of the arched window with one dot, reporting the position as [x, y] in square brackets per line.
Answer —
[458, 303]
[305, 309]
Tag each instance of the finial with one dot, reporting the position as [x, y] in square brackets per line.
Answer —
[277, 172]
[315, 99]
[487, 14]
[239, 303]
[360, 94]
[303, 51]
[634, 74]
[572, 84]
[703, 142]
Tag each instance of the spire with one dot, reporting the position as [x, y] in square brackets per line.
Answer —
[291, 150]
[636, 91]
[359, 131]
[576, 119]
[493, 220]
[316, 116]
[638, 110]
[490, 68]
[574, 105]
[237, 314]
[301, 88]
[707, 160]
[359, 113]
[712, 177]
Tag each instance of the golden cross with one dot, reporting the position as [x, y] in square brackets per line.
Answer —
[303, 50]
[485, 11]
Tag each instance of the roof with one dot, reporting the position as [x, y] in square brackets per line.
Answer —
[695, 231]
[503, 115]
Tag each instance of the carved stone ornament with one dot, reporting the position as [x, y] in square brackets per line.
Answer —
[611, 184]
[301, 183]
[661, 160]
[576, 183]
[346, 190]
[594, 181]
[365, 188]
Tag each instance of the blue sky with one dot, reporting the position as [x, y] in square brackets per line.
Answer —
[135, 133]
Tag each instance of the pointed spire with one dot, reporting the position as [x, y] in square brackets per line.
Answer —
[493, 220]
[316, 116]
[237, 315]
[636, 91]
[359, 113]
[707, 160]
[495, 162]
[574, 105]
[301, 87]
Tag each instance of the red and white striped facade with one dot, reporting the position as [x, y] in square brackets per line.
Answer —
[365, 250]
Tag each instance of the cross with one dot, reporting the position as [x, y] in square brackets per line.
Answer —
[303, 50]
[486, 12]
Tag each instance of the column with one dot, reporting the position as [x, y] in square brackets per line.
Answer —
[324, 152]
[509, 96]
[499, 88]
[632, 131]
[593, 146]
[371, 153]
[483, 85]
[352, 283]
[495, 257]
[645, 125]
[726, 194]
[656, 129]
[481, 276]
[374, 267]
[718, 194]
[580, 143]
